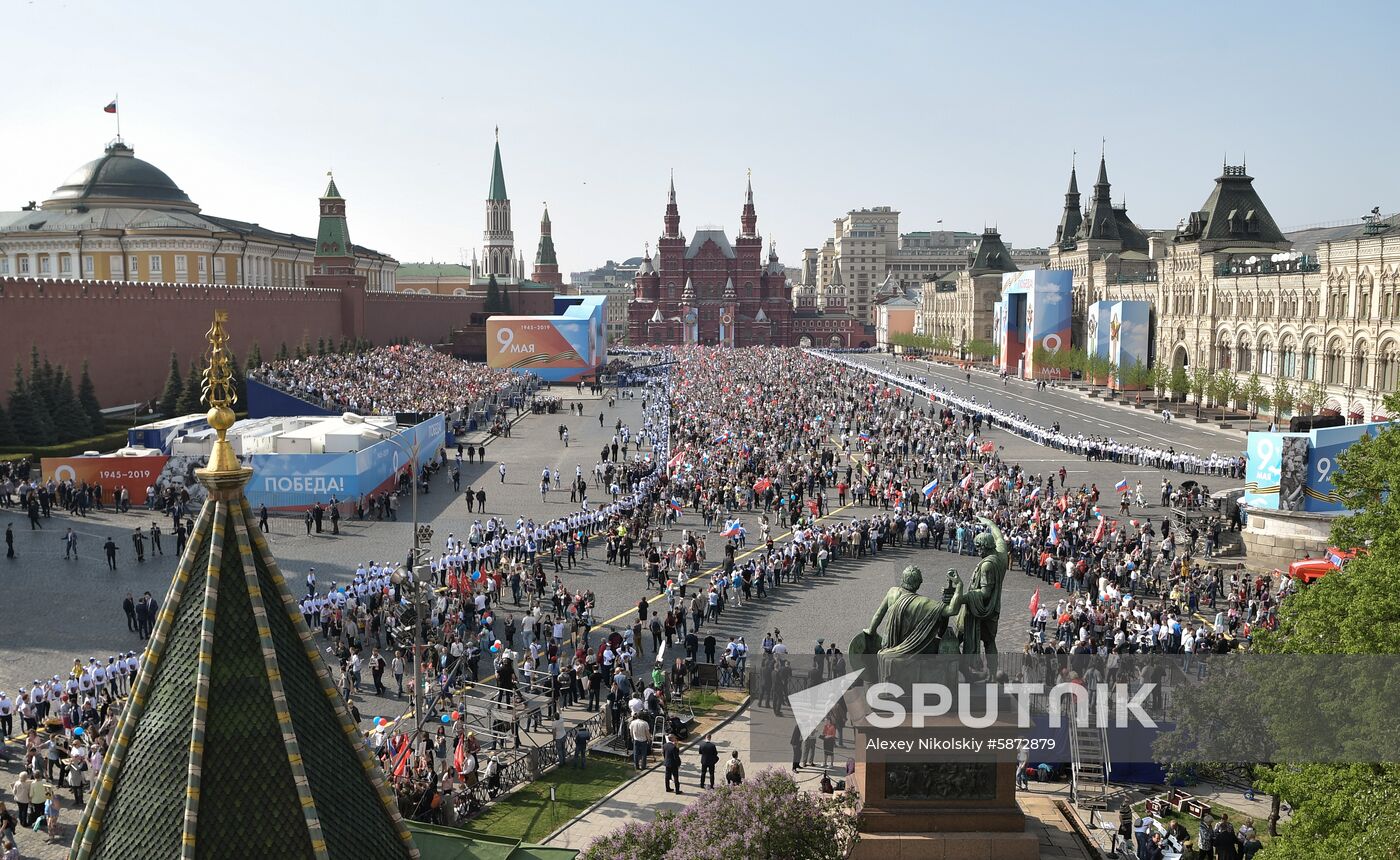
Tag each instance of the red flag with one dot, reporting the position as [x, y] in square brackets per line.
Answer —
[461, 756]
[988, 447]
[1035, 602]
[813, 505]
[761, 484]
[402, 754]
[1098, 532]
[1035, 517]
[1064, 503]
[111, 107]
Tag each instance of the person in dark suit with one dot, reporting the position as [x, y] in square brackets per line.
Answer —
[111, 549]
[129, 607]
[671, 758]
[262, 518]
[709, 757]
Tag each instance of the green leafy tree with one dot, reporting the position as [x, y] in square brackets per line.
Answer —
[1200, 386]
[942, 343]
[1280, 398]
[1178, 383]
[254, 357]
[983, 349]
[174, 387]
[1161, 379]
[1224, 388]
[192, 396]
[1255, 395]
[92, 407]
[1137, 376]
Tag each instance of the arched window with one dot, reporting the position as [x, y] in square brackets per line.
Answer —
[1310, 358]
[1360, 365]
[1244, 359]
[1287, 357]
[1334, 372]
[1266, 355]
[1387, 367]
[1223, 354]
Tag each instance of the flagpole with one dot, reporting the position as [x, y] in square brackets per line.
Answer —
[116, 100]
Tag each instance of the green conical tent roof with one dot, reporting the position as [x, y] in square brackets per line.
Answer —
[235, 742]
[544, 255]
[498, 177]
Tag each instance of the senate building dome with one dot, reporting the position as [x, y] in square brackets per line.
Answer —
[119, 178]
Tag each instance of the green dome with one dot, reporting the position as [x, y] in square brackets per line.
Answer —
[119, 179]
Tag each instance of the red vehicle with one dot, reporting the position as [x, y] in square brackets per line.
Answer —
[1312, 569]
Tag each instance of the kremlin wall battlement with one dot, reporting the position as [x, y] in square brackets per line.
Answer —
[126, 330]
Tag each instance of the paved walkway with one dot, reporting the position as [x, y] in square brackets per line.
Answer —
[642, 798]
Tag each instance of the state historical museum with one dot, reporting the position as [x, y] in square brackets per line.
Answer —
[709, 291]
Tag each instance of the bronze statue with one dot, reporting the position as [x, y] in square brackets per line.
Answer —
[981, 604]
[918, 624]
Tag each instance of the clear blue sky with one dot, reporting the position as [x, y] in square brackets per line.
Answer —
[963, 112]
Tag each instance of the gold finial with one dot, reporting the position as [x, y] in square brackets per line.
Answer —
[218, 391]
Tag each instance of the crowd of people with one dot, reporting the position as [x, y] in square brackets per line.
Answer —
[759, 443]
[386, 380]
[1091, 447]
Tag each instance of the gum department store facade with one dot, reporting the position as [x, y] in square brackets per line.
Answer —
[1229, 290]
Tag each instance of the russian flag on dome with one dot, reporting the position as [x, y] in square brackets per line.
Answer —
[1055, 534]
[1121, 486]
[111, 107]
[930, 487]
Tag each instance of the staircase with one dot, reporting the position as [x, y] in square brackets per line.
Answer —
[1089, 765]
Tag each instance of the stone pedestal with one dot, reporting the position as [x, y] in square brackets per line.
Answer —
[1276, 539]
[923, 808]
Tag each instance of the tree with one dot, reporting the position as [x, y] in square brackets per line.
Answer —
[240, 382]
[254, 357]
[1200, 385]
[764, 817]
[1161, 379]
[282, 354]
[1280, 399]
[174, 387]
[1255, 395]
[69, 420]
[7, 429]
[983, 349]
[321, 347]
[21, 407]
[1178, 383]
[1224, 388]
[493, 297]
[942, 343]
[1138, 376]
[505, 301]
[191, 399]
[92, 407]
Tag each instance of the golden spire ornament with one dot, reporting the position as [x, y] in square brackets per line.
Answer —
[223, 469]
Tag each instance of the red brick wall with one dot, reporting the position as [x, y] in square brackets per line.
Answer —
[126, 331]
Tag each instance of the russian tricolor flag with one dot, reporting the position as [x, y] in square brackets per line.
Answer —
[1055, 534]
[676, 504]
[1121, 486]
[864, 436]
[966, 483]
[732, 530]
[930, 487]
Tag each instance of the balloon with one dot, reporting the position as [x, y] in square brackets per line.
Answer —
[495, 648]
[476, 574]
[456, 715]
[78, 731]
[382, 721]
[446, 718]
